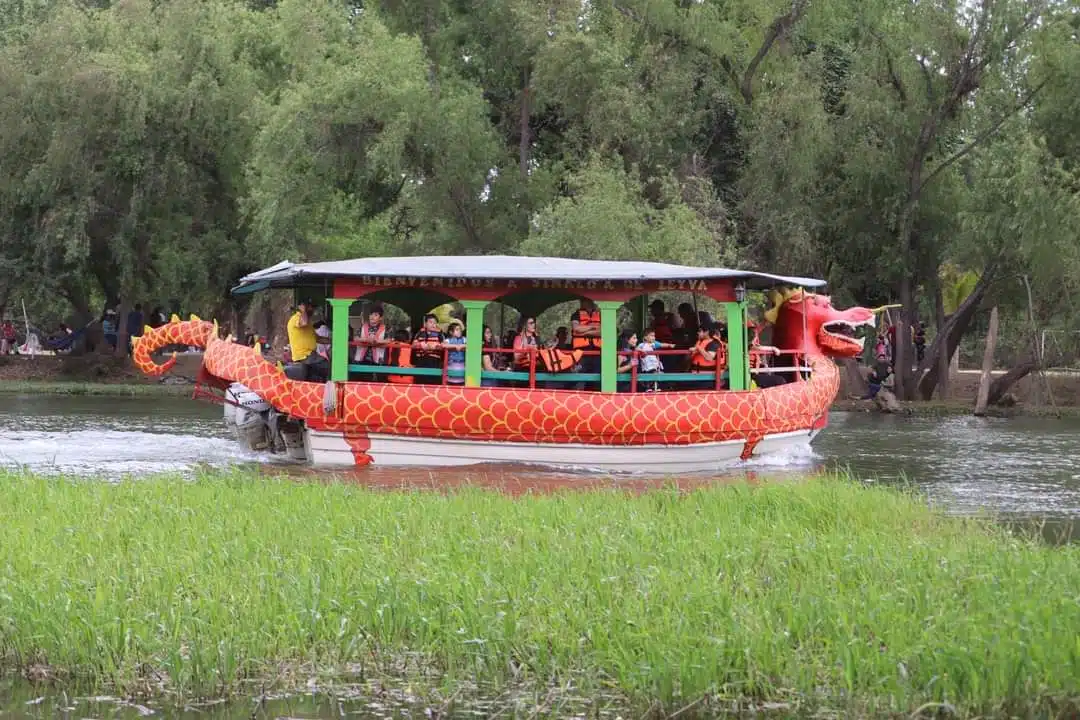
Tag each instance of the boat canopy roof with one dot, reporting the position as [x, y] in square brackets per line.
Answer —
[504, 267]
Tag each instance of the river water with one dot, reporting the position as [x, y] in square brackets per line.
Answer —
[1018, 467]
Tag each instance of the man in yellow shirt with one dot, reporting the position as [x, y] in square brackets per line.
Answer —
[302, 342]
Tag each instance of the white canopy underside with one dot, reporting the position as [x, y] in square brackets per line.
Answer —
[510, 267]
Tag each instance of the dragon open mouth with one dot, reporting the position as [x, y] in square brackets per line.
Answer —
[841, 334]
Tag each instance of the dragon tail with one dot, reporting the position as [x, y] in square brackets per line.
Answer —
[193, 333]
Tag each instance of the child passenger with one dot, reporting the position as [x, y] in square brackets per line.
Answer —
[455, 359]
[650, 363]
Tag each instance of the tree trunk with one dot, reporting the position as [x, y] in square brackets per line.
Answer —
[943, 357]
[855, 376]
[987, 365]
[902, 342]
[948, 341]
[525, 142]
[1003, 384]
[121, 328]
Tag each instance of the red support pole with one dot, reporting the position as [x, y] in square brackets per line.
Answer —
[633, 371]
[532, 368]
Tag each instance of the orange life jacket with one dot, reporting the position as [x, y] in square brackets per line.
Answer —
[586, 319]
[556, 360]
[698, 362]
[404, 360]
[522, 344]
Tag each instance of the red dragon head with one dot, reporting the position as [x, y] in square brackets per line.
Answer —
[810, 324]
[191, 333]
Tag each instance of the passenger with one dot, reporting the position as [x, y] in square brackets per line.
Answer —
[562, 338]
[401, 356]
[758, 364]
[302, 344]
[709, 354]
[428, 348]
[650, 363]
[523, 342]
[585, 333]
[688, 325]
[490, 361]
[322, 333]
[628, 341]
[455, 359]
[662, 322]
[373, 334]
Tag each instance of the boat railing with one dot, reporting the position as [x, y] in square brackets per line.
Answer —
[531, 374]
[796, 362]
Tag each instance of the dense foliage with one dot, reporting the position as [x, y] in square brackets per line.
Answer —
[161, 148]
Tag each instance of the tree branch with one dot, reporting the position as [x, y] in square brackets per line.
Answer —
[896, 81]
[777, 29]
[983, 136]
[928, 78]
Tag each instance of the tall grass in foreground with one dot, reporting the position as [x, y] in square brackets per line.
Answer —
[828, 591]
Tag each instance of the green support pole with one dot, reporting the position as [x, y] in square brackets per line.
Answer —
[474, 340]
[738, 378]
[339, 340]
[609, 347]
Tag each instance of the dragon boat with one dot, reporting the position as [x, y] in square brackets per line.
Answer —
[701, 421]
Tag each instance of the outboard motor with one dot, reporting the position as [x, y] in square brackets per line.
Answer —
[248, 415]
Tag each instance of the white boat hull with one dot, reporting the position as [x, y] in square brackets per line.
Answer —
[331, 449]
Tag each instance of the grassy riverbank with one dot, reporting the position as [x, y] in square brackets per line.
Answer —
[826, 593]
[61, 388]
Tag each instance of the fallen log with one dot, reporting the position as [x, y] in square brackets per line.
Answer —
[1001, 385]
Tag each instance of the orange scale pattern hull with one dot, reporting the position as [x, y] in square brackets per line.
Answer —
[555, 417]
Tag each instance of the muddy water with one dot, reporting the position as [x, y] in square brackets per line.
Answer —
[1020, 467]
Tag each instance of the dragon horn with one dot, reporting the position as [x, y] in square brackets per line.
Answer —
[175, 318]
[883, 308]
[196, 318]
[258, 349]
[145, 331]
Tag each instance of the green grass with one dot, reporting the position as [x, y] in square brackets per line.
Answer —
[825, 593]
[40, 387]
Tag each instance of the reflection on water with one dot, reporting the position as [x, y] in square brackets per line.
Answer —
[1022, 467]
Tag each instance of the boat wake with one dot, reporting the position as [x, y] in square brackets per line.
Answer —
[115, 453]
